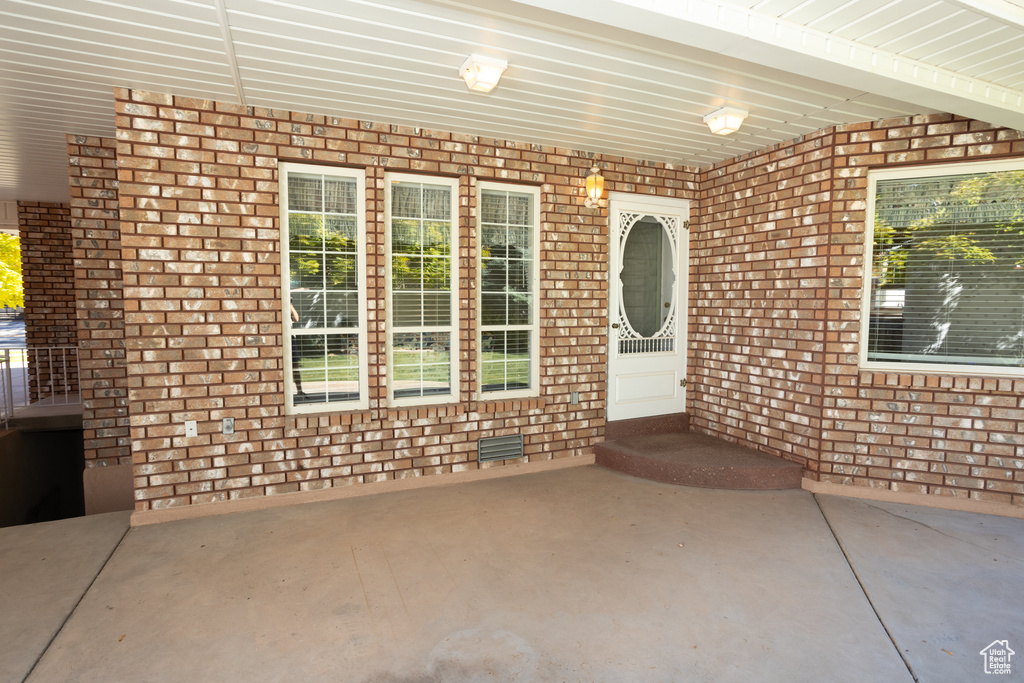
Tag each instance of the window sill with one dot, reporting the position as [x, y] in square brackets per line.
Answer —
[871, 377]
[509, 405]
[328, 419]
[942, 369]
[424, 412]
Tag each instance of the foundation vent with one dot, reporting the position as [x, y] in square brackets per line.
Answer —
[500, 448]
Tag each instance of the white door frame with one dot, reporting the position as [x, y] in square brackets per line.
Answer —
[647, 384]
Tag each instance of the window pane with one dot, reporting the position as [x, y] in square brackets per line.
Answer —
[420, 288]
[437, 309]
[405, 236]
[405, 200]
[307, 309]
[307, 367]
[341, 309]
[437, 202]
[491, 235]
[519, 309]
[305, 232]
[342, 377]
[340, 234]
[506, 284]
[520, 209]
[436, 274]
[421, 364]
[407, 310]
[406, 272]
[493, 207]
[305, 193]
[494, 309]
[340, 195]
[325, 368]
[437, 237]
[306, 271]
[322, 229]
[340, 272]
[948, 270]
[505, 360]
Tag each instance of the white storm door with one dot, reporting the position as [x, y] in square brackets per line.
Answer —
[647, 306]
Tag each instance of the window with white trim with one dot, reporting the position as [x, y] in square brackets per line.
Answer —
[323, 253]
[422, 231]
[946, 287]
[509, 218]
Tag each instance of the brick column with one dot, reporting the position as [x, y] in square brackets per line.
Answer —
[48, 277]
[96, 247]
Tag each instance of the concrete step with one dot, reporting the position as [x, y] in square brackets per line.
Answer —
[694, 459]
[49, 415]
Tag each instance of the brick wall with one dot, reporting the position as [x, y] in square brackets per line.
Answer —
[48, 278]
[96, 248]
[202, 276]
[778, 267]
[759, 261]
[940, 435]
[777, 244]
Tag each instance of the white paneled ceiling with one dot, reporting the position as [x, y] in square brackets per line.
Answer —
[622, 77]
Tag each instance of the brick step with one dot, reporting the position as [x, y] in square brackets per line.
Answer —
[693, 459]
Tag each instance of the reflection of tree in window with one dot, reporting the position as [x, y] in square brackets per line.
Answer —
[948, 270]
[506, 290]
[323, 277]
[505, 286]
[421, 284]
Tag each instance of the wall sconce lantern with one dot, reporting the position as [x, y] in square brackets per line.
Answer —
[725, 120]
[595, 187]
[482, 73]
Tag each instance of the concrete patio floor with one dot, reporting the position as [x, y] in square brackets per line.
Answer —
[572, 575]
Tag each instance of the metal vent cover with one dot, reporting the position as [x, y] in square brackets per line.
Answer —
[500, 448]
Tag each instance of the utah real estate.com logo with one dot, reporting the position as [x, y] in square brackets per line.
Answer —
[997, 657]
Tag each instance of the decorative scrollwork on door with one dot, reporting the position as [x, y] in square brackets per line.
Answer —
[646, 261]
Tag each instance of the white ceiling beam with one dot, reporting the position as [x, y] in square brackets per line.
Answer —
[229, 50]
[1005, 11]
[734, 31]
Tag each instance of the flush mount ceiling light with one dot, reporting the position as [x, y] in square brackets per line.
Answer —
[595, 187]
[725, 120]
[481, 72]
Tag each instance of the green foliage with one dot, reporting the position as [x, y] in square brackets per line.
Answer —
[11, 290]
[967, 246]
[420, 255]
[339, 368]
[505, 286]
[500, 370]
[421, 366]
[317, 246]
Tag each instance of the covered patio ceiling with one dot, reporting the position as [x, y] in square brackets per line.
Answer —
[621, 77]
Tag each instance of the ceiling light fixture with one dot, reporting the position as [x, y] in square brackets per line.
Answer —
[595, 187]
[481, 72]
[725, 120]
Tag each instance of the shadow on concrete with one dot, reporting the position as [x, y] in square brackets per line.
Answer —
[40, 476]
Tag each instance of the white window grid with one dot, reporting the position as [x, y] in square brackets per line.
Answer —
[359, 330]
[532, 328]
[452, 328]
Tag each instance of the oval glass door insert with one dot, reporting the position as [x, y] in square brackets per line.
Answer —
[648, 281]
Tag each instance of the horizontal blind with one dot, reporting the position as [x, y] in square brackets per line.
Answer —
[507, 297]
[967, 199]
[422, 335]
[323, 230]
[948, 270]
